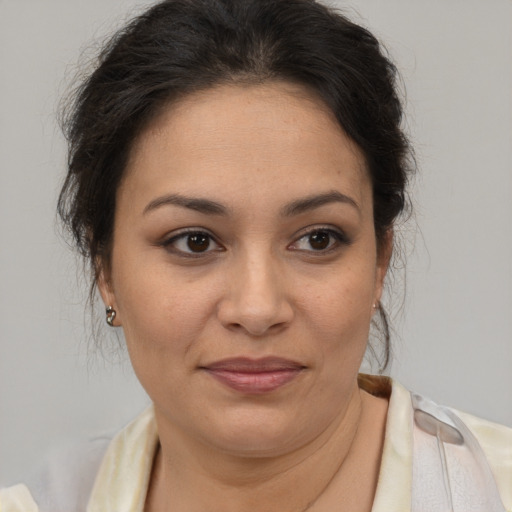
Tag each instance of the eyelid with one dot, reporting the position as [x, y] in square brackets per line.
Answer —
[340, 237]
[168, 240]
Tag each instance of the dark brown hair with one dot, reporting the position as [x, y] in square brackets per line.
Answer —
[181, 46]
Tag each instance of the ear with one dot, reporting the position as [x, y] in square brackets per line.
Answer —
[104, 284]
[384, 252]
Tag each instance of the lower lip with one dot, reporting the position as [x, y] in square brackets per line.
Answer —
[255, 383]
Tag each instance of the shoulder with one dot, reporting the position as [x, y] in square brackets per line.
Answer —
[495, 439]
[496, 443]
[476, 454]
[80, 476]
[62, 482]
[17, 499]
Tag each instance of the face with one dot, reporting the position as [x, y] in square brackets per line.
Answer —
[244, 266]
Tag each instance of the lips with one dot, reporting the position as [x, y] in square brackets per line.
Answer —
[254, 376]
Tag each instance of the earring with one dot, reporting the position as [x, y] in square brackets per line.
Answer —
[111, 314]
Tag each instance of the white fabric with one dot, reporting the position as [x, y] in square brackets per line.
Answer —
[65, 482]
[17, 499]
[450, 470]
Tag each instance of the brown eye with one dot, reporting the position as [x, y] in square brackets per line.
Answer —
[192, 243]
[319, 240]
[198, 242]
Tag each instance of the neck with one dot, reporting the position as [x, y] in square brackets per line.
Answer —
[194, 477]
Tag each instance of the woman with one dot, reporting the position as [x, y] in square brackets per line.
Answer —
[235, 173]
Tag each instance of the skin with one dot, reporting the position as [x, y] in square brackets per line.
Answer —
[260, 288]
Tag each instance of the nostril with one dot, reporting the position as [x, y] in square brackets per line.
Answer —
[255, 299]
[254, 323]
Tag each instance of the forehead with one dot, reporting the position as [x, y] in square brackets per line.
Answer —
[239, 137]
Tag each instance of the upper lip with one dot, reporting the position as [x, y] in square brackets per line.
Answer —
[250, 365]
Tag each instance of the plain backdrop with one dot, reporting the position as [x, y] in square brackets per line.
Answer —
[453, 339]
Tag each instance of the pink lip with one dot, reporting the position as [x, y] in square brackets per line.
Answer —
[254, 376]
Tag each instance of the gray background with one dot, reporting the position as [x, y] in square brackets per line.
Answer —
[454, 333]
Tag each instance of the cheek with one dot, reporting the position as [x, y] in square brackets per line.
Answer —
[338, 309]
[160, 309]
[343, 297]
[163, 320]
[161, 323]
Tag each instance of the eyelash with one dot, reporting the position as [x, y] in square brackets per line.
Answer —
[183, 236]
[337, 239]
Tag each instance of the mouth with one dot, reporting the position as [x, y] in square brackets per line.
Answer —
[254, 376]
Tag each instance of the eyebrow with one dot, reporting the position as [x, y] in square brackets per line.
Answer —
[308, 203]
[205, 206]
[209, 207]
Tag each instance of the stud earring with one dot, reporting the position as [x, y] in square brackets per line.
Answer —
[111, 314]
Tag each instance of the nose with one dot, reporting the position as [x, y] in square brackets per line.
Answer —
[256, 299]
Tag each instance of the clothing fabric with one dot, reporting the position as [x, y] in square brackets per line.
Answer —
[433, 458]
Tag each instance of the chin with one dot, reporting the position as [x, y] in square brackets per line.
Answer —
[255, 433]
